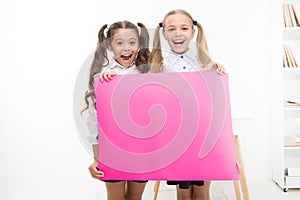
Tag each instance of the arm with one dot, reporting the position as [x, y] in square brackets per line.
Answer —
[92, 124]
[93, 168]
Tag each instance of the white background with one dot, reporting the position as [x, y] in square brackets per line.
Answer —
[44, 45]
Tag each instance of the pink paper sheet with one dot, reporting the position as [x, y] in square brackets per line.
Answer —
[165, 126]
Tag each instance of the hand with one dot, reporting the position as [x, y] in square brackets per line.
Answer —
[219, 68]
[106, 76]
[94, 171]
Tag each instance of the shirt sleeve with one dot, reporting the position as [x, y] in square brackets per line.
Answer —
[91, 120]
[92, 124]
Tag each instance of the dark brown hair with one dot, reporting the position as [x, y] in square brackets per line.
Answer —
[101, 59]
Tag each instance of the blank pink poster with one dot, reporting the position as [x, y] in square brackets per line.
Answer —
[165, 126]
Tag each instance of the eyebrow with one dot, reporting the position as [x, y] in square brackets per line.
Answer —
[172, 25]
[124, 38]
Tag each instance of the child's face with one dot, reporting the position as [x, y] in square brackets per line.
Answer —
[124, 45]
[178, 31]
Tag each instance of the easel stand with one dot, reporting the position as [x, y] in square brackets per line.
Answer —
[240, 186]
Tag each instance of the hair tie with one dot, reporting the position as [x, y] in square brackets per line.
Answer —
[195, 23]
[160, 24]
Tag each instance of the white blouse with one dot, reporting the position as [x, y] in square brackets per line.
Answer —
[186, 62]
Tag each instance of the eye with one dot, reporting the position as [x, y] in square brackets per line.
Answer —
[132, 43]
[119, 43]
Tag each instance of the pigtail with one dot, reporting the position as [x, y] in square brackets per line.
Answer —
[202, 48]
[143, 54]
[156, 58]
[100, 57]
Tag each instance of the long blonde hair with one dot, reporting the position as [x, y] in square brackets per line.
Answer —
[101, 59]
[156, 58]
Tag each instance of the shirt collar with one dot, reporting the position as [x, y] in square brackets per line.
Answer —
[114, 64]
[189, 56]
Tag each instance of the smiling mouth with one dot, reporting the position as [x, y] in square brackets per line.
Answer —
[178, 42]
[127, 57]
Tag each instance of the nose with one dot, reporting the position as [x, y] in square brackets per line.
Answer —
[127, 46]
[178, 32]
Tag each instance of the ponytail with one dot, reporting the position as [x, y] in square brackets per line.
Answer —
[156, 58]
[143, 54]
[202, 48]
[100, 57]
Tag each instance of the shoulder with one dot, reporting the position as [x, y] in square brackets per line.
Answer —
[167, 61]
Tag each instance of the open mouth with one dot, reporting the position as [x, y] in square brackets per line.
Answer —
[126, 57]
[178, 42]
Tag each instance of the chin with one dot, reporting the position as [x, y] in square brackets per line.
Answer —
[127, 64]
[179, 51]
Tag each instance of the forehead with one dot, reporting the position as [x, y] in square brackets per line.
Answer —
[178, 19]
[125, 33]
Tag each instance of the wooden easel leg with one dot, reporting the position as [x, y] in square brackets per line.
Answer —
[242, 175]
[237, 190]
[155, 190]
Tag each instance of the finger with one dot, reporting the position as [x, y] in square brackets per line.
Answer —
[223, 70]
[112, 74]
[105, 76]
[220, 71]
[101, 77]
[98, 175]
[96, 170]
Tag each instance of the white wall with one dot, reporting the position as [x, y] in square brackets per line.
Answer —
[44, 45]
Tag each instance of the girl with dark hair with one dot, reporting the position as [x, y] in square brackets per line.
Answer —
[129, 46]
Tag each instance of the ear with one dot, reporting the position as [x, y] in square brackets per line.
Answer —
[109, 47]
[193, 33]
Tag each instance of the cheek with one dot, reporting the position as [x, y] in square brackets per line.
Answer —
[135, 52]
[192, 34]
[167, 35]
[136, 48]
[116, 52]
[189, 36]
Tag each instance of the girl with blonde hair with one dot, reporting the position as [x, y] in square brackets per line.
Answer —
[178, 30]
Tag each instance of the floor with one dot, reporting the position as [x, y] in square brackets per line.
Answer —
[220, 190]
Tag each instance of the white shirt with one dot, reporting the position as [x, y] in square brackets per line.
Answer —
[92, 121]
[116, 67]
[186, 62]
